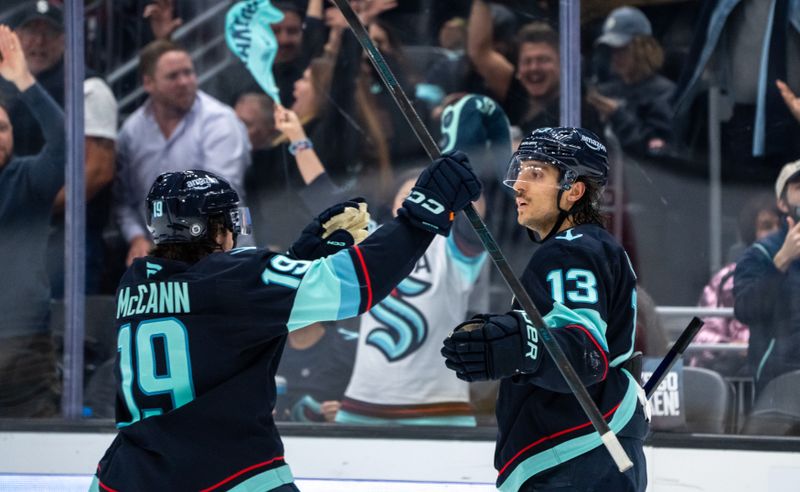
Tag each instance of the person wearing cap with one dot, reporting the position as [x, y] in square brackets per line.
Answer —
[40, 27]
[758, 218]
[635, 103]
[766, 288]
[29, 385]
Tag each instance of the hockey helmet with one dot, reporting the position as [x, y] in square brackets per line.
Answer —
[179, 205]
[576, 152]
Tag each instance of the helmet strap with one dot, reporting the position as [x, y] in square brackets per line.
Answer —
[562, 216]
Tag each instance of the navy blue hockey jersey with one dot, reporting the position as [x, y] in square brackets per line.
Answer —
[583, 283]
[199, 345]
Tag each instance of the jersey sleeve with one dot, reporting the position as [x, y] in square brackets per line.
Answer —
[351, 281]
[570, 287]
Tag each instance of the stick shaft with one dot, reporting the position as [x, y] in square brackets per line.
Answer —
[672, 356]
[499, 260]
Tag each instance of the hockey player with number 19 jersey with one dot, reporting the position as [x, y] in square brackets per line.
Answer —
[202, 326]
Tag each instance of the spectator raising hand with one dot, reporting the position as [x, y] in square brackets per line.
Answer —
[13, 66]
[162, 18]
[791, 100]
[29, 380]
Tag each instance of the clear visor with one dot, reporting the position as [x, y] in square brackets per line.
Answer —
[240, 218]
[528, 168]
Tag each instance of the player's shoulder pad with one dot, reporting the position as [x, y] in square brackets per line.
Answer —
[577, 247]
[232, 260]
[588, 237]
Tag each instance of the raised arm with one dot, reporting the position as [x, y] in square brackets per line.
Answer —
[45, 171]
[353, 280]
[495, 69]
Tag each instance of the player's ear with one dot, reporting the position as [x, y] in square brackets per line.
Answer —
[575, 192]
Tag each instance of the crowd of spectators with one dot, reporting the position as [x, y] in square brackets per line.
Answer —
[336, 128]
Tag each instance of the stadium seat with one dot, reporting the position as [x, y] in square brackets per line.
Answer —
[776, 411]
[709, 401]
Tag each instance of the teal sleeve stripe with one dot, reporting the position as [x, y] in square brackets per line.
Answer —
[350, 288]
[328, 291]
[268, 480]
[622, 358]
[468, 266]
[590, 319]
[565, 451]
[95, 485]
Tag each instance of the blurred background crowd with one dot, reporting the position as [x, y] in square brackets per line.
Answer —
[694, 99]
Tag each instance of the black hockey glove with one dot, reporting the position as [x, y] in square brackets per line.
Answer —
[442, 189]
[493, 347]
[335, 229]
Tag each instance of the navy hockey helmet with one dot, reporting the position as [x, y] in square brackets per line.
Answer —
[179, 205]
[576, 152]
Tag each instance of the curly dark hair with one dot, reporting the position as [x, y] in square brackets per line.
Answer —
[587, 209]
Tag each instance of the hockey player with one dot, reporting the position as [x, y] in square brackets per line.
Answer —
[201, 326]
[581, 280]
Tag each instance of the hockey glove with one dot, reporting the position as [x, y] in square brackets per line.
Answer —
[335, 229]
[442, 189]
[493, 347]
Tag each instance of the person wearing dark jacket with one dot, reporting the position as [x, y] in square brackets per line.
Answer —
[766, 288]
[28, 186]
[636, 102]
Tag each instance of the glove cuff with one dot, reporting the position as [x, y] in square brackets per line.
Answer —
[530, 341]
[426, 209]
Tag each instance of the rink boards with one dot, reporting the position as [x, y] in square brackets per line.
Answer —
[64, 461]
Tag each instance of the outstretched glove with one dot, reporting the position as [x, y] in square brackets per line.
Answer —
[442, 189]
[493, 347]
[335, 229]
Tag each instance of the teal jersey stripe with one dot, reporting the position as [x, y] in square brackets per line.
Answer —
[345, 417]
[267, 480]
[328, 291]
[590, 319]
[565, 451]
[468, 266]
[350, 289]
[620, 359]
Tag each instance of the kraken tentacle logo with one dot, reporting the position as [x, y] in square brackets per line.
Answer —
[404, 328]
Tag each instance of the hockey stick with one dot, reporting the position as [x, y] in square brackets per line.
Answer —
[553, 348]
[672, 356]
